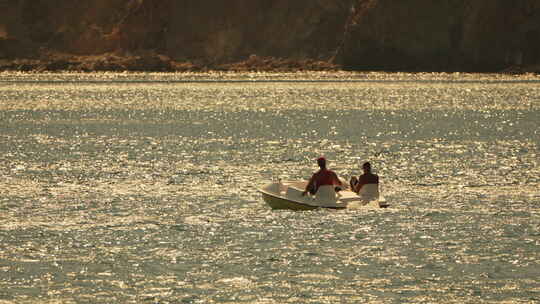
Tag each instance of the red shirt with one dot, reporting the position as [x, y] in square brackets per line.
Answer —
[321, 178]
[325, 177]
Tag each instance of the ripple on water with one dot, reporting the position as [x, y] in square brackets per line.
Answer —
[142, 188]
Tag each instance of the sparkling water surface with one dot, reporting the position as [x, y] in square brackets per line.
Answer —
[142, 188]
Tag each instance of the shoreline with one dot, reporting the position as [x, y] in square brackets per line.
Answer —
[111, 62]
[151, 62]
[334, 76]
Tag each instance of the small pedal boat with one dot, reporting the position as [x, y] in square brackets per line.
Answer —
[288, 195]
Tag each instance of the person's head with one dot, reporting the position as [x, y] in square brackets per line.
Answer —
[321, 161]
[367, 167]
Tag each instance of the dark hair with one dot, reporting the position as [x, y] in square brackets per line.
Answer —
[367, 166]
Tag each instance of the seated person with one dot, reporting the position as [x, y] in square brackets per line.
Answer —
[321, 178]
[367, 178]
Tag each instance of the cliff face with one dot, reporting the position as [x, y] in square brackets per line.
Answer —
[444, 34]
[355, 34]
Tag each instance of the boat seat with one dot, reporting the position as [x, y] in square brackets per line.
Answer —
[369, 192]
[274, 188]
[347, 196]
[326, 194]
[293, 192]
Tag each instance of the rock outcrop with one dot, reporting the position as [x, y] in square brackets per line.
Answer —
[485, 35]
[172, 35]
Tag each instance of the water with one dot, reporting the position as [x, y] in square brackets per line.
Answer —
[141, 188]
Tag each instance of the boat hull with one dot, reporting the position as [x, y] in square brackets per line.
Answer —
[288, 195]
[278, 203]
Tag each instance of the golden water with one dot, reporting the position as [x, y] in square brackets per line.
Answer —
[142, 188]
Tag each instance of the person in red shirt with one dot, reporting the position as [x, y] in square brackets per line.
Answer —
[366, 178]
[321, 178]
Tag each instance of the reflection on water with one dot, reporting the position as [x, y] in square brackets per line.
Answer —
[142, 188]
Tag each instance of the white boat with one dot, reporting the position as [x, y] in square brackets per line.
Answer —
[288, 195]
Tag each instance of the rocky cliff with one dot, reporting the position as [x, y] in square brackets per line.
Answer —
[446, 35]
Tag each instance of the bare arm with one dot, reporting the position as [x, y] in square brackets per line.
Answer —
[336, 181]
[309, 185]
[358, 186]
